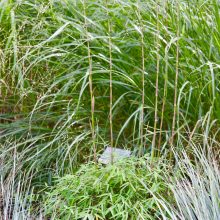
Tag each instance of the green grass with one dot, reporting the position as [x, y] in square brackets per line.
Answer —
[125, 190]
[76, 76]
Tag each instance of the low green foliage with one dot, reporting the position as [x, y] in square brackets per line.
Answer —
[124, 190]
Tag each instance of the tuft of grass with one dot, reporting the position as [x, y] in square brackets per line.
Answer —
[124, 190]
[197, 191]
[195, 186]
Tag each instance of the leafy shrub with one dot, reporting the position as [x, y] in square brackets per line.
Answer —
[124, 190]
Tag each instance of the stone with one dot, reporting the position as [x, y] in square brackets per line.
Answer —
[118, 154]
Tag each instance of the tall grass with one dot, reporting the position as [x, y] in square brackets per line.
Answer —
[149, 68]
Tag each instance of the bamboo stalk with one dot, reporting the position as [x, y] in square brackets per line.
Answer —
[110, 82]
[92, 97]
[143, 87]
[176, 76]
[164, 89]
[142, 145]
[157, 79]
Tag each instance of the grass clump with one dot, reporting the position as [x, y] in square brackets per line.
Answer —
[124, 190]
[197, 189]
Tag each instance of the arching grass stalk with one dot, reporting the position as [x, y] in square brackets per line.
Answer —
[156, 86]
[92, 97]
[110, 80]
[165, 84]
[176, 77]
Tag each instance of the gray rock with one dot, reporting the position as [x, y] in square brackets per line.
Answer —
[117, 153]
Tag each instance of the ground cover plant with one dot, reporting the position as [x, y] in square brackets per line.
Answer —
[78, 75]
[124, 190]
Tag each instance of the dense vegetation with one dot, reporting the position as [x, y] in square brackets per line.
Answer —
[78, 75]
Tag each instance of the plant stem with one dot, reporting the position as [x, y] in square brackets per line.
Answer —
[176, 77]
[92, 97]
[141, 32]
[110, 82]
[142, 110]
[156, 89]
[165, 87]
